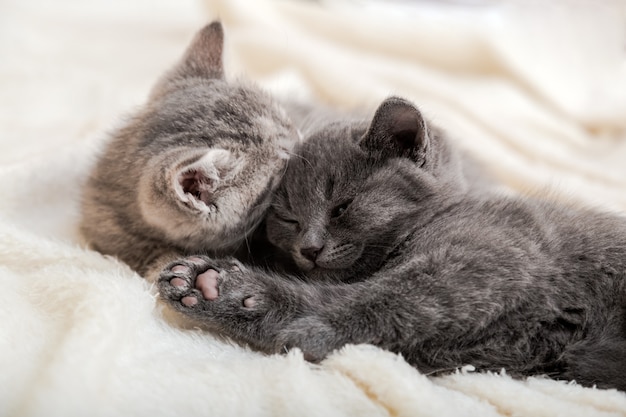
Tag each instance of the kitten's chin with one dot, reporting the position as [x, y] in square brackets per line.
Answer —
[319, 270]
[304, 264]
[328, 275]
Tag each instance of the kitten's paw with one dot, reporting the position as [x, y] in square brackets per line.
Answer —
[311, 335]
[203, 286]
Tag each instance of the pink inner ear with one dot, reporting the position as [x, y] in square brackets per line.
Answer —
[195, 183]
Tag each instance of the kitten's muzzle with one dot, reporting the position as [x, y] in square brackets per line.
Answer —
[311, 252]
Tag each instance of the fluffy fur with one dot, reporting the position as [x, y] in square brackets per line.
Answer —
[420, 264]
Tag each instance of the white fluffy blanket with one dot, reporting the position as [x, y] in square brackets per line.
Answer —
[537, 92]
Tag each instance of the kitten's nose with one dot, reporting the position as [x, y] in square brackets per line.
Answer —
[311, 252]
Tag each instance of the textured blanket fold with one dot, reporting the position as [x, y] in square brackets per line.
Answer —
[536, 91]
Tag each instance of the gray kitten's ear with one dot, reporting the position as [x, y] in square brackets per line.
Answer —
[397, 130]
[203, 58]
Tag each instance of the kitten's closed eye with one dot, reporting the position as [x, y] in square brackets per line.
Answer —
[337, 211]
[286, 219]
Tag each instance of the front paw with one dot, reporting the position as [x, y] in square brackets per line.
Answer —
[312, 336]
[200, 286]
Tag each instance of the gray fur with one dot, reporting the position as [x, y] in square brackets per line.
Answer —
[422, 265]
[193, 170]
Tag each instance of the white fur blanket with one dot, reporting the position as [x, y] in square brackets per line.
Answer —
[538, 93]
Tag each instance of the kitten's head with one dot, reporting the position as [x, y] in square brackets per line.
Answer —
[213, 151]
[191, 170]
[354, 193]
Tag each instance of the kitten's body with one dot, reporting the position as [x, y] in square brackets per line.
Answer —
[401, 254]
[193, 170]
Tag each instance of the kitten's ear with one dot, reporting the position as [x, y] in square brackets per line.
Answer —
[203, 58]
[397, 130]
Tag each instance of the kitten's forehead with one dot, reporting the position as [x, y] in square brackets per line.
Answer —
[216, 113]
[327, 157]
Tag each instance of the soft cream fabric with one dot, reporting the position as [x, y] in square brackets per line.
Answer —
[537, 93]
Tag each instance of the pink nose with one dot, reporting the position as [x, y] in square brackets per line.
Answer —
[311, 252]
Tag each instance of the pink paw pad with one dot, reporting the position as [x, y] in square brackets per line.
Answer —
[178, 282]
[180, 269]
[189, 301]
[207, 284]
[249, 302]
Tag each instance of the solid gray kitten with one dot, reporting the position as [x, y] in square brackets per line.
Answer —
[193, 170]
[399, 253]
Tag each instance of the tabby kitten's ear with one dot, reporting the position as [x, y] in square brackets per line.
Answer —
[202, 59]
[397, 130]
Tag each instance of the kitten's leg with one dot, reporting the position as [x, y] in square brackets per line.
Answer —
[250, 306]
[601, 363]
[272, 313]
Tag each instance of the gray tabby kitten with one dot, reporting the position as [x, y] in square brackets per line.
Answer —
[399, 253]
[193, 170]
